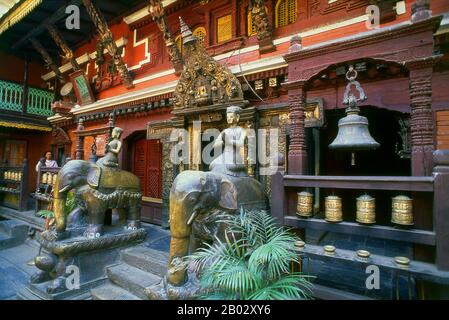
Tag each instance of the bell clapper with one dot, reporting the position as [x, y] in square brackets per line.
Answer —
[352, 158]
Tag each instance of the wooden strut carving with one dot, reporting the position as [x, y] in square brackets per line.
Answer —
[421, 118]
[108, 39]
[47, 58]
[68, 53]
[264, 29]
[157, 12]
[204, 81]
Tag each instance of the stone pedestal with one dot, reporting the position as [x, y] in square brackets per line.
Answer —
[76, 260]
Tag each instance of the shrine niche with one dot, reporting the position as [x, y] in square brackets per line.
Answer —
[61, 145]
[203, 81]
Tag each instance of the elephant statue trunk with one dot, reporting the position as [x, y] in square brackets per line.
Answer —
[60, 197]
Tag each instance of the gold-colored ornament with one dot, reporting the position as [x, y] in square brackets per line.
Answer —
[402, 262]
[363, 254]
[329, 249]
[366, 209]
[333, 211]
[300, 244]
[16, 176]
[402, 211]
[258, 85]
[305, 204]
[55, 176]
[20, 176]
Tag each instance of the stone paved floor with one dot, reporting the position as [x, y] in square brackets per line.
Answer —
[15, 270]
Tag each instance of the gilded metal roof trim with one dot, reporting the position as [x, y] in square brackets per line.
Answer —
[15, 15]
[24, 126]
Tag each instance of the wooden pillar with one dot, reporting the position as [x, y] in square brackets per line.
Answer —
[79, 141]
[441, 208]
[297, 155]
[25, 86]
[421, 119]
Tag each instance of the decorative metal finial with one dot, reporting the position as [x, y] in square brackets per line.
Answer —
[186, 33]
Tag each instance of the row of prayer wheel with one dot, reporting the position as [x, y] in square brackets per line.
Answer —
[49, 178]
[12, 175]
[401, 214]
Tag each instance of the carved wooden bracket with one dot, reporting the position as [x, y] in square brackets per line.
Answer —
[157, 12]
[108, 39]
[47, 58]
[264, 29]
[68, 53]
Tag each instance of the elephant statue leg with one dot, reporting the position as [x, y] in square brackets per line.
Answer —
[95, 220]
[133, 220]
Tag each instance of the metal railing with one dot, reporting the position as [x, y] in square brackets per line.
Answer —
[38, 101]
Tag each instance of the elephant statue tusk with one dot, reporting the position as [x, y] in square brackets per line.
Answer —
[192, 216]
[66, 188]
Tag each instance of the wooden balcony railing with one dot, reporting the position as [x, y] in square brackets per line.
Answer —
[38, 101]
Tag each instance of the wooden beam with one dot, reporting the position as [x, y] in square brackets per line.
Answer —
[46, 57]
[58, 15]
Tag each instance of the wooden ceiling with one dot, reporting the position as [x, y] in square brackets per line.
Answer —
[15, 40]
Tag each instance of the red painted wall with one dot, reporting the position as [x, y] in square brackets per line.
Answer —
[12, 69]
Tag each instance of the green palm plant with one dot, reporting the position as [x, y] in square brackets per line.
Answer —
[253, 263]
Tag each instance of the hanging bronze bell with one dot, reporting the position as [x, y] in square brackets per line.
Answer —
[353, 133]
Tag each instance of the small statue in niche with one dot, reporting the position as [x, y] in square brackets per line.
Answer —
[230, 162]
[113, 148]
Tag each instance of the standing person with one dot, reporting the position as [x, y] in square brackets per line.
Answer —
[46, 161]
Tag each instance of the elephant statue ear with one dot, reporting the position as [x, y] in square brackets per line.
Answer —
[228, 195]
[93, 176]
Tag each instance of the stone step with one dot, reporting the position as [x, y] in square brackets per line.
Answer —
[14, 228]
[6, 241]
[146, 259]
[132, 279]
[110, 291]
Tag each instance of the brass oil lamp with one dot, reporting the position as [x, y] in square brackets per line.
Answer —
[353, 133]
[366, 209]
[333, 209]
[402, 211]
[305, 204]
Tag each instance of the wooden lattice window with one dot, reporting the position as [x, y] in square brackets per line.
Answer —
[252, 29]
[285, 12]
[178, 41]
[200, 34]
[224, 28]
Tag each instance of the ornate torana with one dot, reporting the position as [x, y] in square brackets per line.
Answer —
[47, 58]
[158, 14]
[68, 53]
[204, 81]
[108, 40]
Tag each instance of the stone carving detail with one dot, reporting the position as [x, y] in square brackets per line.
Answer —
[68, 53]
[158, 14]
[107, 38]
[203, 81]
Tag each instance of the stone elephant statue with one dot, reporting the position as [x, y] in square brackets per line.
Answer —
[197, 200]
[97, 189]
